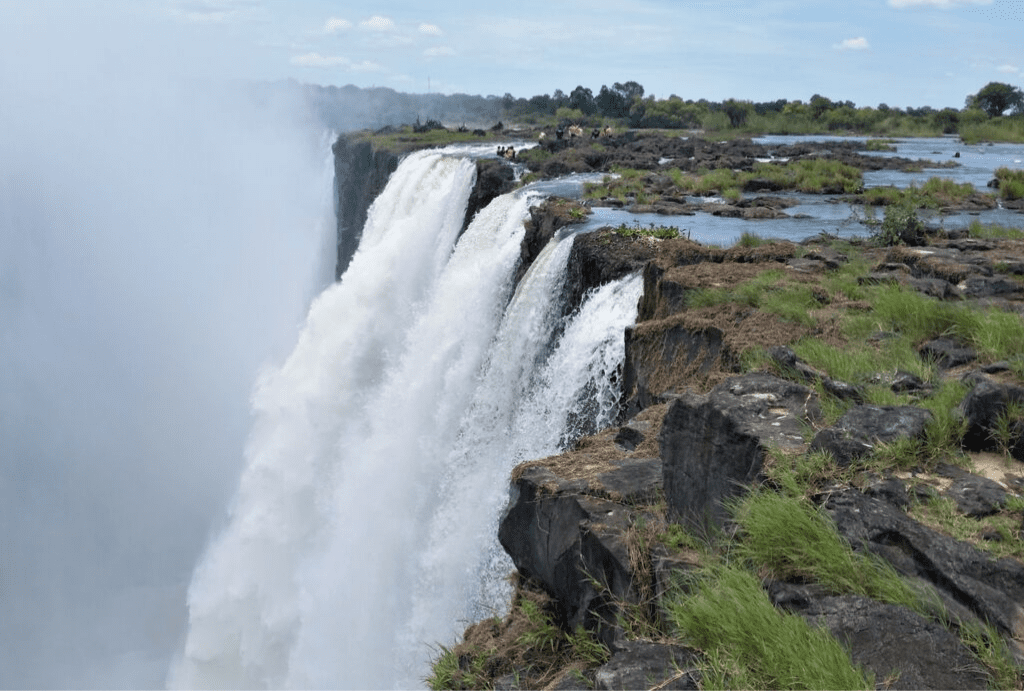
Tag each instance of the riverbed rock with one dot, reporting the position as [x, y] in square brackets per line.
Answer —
[713, 445]
[862, 427]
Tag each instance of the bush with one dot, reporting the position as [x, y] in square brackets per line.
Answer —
[901, 226]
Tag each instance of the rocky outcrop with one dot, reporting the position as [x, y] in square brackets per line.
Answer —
[360, 174]
[971, 584]
[861, 428]
[712, 446]
[901, 648]
[493, 178]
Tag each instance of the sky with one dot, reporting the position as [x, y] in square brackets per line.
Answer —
[905, 53]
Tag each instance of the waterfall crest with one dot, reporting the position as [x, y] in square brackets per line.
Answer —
[364, 528]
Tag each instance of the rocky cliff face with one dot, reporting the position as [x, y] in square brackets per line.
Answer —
[360, 173]
[703, 425]
[361, 170]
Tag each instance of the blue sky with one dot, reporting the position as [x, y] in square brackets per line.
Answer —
[899, 52]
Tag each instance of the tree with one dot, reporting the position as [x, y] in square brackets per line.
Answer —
[737, 111]
[996, 97]
[582, 99]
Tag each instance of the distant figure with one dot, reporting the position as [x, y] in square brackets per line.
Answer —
[510, 153]
[542, 136]
[501, 151]
[595, 133]
[559, 132]
[607, 131]
[956, 155]
[575, 131]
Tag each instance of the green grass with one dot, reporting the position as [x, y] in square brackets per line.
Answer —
[768, 291]
[748, 643]
[650, 231]
[935, 193]
[880, 145]
[1011, 183]
[748, 239]
[1004, 129]
[789, 538]
[994, 232]
[995, 334]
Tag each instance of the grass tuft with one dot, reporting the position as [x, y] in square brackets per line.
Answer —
[748, 643]
[790, 538]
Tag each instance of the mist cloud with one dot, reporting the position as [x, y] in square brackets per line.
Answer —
[160, 237]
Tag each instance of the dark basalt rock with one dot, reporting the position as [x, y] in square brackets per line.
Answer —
[947, 353]
[493, 179]
[977, 496]
[856, 432]
[713, 445]
[785, 358]
[903, 649]
[699, 349]
[570, 536]
[644, 665]
[360, 174]
[982, 408]
[991, 286]
[970, 583]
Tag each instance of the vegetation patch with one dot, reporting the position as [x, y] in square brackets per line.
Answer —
[526, 645]
[787, 538]
[750, 644]
[649, 231]
[880, 145]
[1011, 183]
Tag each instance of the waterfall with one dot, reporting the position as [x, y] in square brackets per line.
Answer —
[364, 528]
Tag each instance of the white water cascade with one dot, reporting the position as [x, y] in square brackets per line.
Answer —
[364, 528]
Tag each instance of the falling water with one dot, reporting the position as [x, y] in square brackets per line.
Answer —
[364, 528]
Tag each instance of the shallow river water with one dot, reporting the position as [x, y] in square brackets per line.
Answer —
[822, 213]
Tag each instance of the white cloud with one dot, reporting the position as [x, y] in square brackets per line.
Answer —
[213, 11]
[439, 51]
[366, 66]
[859, 43]
[317, 60]
[335, 24]
[945, 4]
[430, 29]
[378, 23]
[1009, 69]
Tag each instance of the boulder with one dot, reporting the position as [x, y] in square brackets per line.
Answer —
[713, 445]
[903, 649]
[785, 358]
[970, 583]
[569, 534]
[654, 349]
[947, 353]
[982, 408]
[857, 432]
[645, 665]
[493, 178]
[977, 496]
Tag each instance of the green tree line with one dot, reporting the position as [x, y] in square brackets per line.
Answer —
[995, 112]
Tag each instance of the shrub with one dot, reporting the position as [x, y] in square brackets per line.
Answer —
[901, 226]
